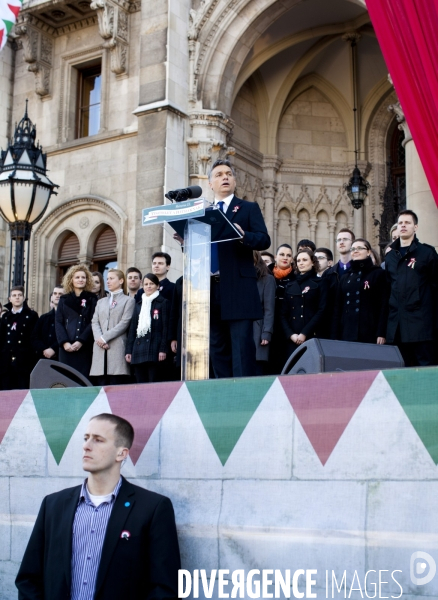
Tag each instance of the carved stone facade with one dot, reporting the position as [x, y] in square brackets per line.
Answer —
[37, 51]
[113, 18]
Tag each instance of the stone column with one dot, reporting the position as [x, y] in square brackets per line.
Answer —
[271, 164]
[419, 197]
[313, 222]
[358, 222]
[331, 226]
[294, 225]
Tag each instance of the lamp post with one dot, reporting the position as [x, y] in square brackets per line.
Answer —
[357, 187]
[25, 192]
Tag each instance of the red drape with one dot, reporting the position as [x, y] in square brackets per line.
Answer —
[407, 34]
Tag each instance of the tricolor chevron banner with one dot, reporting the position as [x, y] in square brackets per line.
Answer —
[9, 10]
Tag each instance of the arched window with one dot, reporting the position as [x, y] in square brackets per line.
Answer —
[67, 256]
[105, 253]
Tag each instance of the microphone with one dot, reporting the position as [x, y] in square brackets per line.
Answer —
[193, 191]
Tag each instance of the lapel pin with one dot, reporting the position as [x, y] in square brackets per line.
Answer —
[125, 535]
[127, 504]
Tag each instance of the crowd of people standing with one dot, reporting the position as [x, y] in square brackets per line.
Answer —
[131, 331]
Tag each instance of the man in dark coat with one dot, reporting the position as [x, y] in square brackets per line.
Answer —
[412, 271]
[235, 300]
[17, 356]
[344, 240]
[44, 340]
[105, 539]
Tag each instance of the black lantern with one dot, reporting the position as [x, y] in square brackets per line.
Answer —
[25, 190]
[357, 188]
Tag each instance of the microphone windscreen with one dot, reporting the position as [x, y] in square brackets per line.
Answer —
[195, 191]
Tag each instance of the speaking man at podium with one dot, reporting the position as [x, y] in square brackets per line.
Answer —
[235, 301]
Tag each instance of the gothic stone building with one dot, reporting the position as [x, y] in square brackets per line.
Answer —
[135, 97]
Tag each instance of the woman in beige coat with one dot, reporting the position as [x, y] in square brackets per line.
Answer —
[110, 324]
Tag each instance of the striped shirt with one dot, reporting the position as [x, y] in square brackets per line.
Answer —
[89, 528]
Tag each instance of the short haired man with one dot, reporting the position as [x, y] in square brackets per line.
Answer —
[344, 240]
[44, 341]
[268, 258]
[235, 300]
[17, 355]
[412, 270]
[106, 539]
[161, 262]
[133, 281]
[303, 244]
[325, 259]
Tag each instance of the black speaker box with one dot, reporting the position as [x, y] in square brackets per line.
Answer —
[53, 374]
[328, 356]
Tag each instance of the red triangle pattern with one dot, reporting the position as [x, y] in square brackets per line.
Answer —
[9, 404]
[143, 406]
[325, 404]
[14, 9]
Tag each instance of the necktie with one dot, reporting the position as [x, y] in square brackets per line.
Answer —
[214, 264]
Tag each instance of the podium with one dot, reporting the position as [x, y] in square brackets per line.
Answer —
[200, 225]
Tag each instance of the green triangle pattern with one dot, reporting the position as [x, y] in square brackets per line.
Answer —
[60, 411]
[420, 408]
[225, 407]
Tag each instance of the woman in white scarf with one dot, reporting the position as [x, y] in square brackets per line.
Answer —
[147, 339]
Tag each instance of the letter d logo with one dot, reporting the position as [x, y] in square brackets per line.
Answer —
[419, 562]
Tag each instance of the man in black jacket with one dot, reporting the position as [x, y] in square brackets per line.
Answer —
[106, 539]
[235, 300]
[44, 340]
[17, 357]
[412, 271]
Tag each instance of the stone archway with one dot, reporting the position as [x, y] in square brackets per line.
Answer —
[82, 216]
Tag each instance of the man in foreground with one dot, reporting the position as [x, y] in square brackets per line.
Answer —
[412, 270]
[104, 540]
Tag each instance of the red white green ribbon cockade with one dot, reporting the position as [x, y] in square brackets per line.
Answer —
[9, 10]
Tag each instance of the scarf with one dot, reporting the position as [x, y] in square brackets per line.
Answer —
[144, 319]
[281, 273]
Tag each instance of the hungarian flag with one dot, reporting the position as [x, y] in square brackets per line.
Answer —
[9, 10]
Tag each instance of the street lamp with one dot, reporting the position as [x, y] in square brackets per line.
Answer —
[25, 191]
[357, 188]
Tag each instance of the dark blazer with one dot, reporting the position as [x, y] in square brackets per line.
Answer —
[73, 321]
[304, 305]
[238, 279]
[361, 309]
[175, 323]
[15, 344]
[147, 348]
[264, 328]
[44, 335]
[413, 300]
[144, 567]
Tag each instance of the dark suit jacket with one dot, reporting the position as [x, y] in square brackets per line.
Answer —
[44, 336]
[144, 567]
[147, 348]
[238, 279]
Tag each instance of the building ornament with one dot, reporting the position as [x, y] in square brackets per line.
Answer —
[113, 21]
[37, 52]
[210, 135]
[401, 120]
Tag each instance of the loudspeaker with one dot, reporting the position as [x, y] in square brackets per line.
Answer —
[53, 374]
[327, 356]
